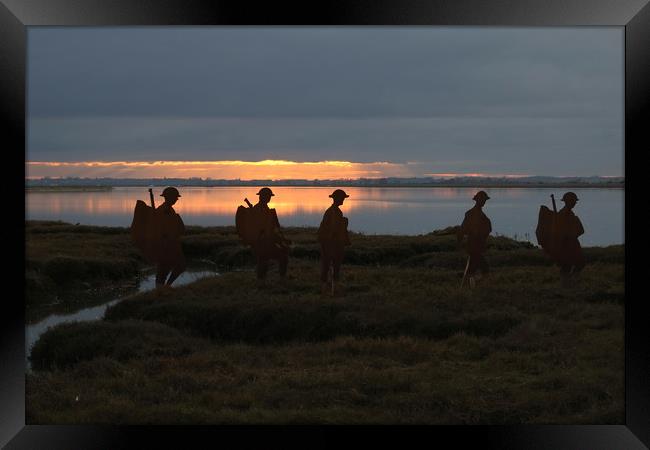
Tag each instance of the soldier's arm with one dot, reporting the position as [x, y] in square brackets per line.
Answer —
[329, 224]
[462, 231]
[181, 225]
[274, 222]
[341, 225]
[579, 228]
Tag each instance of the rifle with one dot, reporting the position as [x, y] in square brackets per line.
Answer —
[151, 198]
[553, 200]
[250, 205]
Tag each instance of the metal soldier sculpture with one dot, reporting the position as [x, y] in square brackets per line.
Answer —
[269, 242]
[170, 258]
[333, 237]
[568, 250]
[477, 227]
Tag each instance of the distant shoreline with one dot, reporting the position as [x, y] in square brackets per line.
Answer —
[68, 188]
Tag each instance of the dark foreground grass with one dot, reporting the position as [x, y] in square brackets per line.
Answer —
[64, 261]
[403, 345]
[462, 379]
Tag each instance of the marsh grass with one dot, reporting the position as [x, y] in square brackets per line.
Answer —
[403, 344]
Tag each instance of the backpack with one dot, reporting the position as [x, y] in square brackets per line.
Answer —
[144, 231]
[245, 224]
[546, 230]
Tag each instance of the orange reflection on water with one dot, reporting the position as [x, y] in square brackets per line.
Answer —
[287, 200]
[223, 201]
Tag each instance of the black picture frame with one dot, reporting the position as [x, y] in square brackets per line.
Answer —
[17, 15]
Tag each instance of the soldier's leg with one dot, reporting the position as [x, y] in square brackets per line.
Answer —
[179, 267]
[485, 267]
[565, 274]
[262, 267]
[337, 269]
[579, 263]
[260, 250]
[175, 274]
[472, 269]
[161, 274]
[283, 262]
[473, 263]
[337, 260]
[324, 264]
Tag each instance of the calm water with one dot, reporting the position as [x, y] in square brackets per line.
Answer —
[513, 211]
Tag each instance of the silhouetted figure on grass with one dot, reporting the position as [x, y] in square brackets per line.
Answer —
[156, 232]
[268, 242]
[171, 260]
[477, 227]
[568, 250]
[333, 237]
[557, 234]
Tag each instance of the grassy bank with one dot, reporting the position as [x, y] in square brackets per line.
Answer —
[68, 266]
[64, 262]
[403, 344]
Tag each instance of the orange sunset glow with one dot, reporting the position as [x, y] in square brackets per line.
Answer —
[198, 201]
[229, 170]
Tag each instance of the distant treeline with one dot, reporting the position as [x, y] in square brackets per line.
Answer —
[533, 181]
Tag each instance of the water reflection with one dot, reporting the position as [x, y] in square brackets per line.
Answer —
[370, 210]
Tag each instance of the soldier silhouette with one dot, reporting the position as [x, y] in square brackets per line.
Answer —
[333, 237]
[477, 227]
[269, 243]
[568, 229]
[169, 226]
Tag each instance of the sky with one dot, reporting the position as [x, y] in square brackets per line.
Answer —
[324, 102]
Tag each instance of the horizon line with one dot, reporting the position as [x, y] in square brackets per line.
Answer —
[268, 169]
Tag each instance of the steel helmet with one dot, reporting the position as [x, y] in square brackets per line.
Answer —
[481, 194]
[267, 191]
[569, 195]
[170, 192]
[339, 193]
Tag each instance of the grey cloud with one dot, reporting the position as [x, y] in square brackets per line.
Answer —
[325, 72]
[528, 145]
